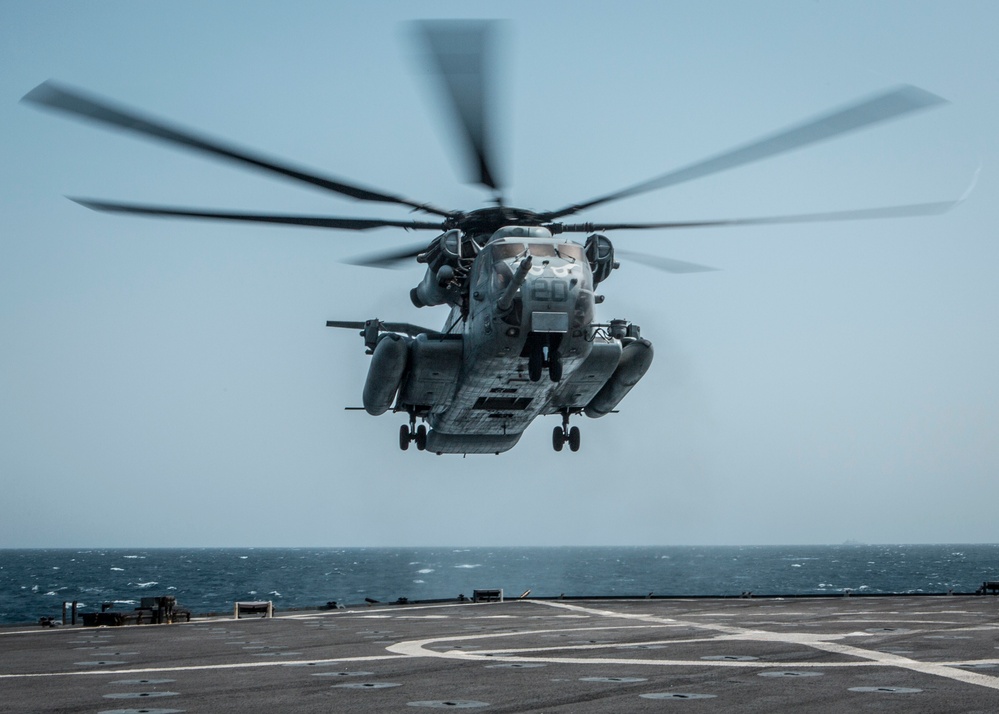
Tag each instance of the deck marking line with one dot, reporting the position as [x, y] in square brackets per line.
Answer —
[199, 667]
[816, 641]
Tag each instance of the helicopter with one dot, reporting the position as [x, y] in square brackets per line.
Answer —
[521, 339]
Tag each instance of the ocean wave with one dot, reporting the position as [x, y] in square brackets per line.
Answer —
[425, 571]
[118, 570]
[146, 585]
[467, 565]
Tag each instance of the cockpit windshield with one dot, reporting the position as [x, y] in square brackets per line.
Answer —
[566, 251]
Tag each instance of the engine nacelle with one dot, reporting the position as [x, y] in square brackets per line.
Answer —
[432, 290]
[437, 286]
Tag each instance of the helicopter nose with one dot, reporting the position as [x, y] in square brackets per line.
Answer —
[551, 300]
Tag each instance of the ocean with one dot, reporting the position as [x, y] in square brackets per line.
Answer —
[35, 583]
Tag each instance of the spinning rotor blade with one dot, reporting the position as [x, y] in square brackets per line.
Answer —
[349, 224]
[461, 54]
[863, 214]
[71, 101]
[889, 105]
[396, 258]
[668, 265]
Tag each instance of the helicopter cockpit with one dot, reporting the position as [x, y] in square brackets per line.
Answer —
[550, 258]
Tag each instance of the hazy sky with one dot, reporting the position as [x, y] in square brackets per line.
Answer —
[167, 383]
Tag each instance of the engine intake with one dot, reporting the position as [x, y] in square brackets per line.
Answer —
[600, 255]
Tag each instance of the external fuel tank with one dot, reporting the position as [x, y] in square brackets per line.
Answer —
[388, 365]
[635, 360]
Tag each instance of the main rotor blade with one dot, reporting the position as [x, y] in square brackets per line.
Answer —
[349, 224]
[51, 95]
[888, 105]
[462, 55]
[668, 265]
[395, 258]
[863, 214]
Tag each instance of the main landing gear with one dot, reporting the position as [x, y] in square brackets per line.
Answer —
[543, 352]
[562, 435]
[413, 433]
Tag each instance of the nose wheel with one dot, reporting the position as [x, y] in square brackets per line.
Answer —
[562, 435]
[542, 353]
[413, 433]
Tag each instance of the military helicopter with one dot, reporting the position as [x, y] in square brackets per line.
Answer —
[521, 339]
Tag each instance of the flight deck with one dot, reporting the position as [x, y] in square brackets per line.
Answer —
[835, 654]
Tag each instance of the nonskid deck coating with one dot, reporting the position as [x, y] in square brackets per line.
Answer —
[904, 654]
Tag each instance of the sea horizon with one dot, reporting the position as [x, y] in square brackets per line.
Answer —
[34, 582]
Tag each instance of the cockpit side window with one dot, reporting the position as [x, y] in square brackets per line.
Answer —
[570, 251]
[482, 272]
[502, 276]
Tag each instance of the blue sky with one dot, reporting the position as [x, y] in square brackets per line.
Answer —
[172, 383]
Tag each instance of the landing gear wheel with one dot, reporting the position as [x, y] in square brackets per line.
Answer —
[574, 439]
[555, 366]
[403, 437]
[421, 437]
[558, 438]
[535, 362]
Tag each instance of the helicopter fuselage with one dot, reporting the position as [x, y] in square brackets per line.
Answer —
[520, 342]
